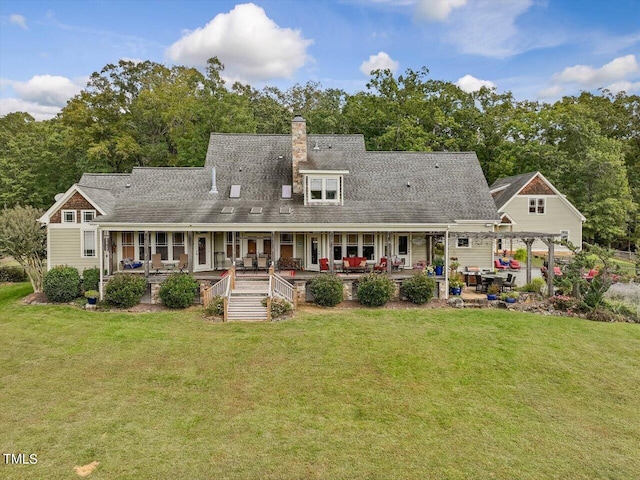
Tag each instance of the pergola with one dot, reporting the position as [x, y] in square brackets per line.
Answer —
[549, 239]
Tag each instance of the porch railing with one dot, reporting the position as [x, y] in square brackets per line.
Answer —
[279, 286]
[221, 289]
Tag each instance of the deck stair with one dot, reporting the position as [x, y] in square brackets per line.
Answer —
[245, 301]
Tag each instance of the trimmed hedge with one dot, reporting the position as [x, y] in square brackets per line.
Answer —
[13, 274]
[419, 289]
[125, 290]
[90, 278]
[279, 307]
[327, 290]
[178, 290]
[375, 290]
[61, 284]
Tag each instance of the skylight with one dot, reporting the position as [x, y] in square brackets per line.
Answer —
[286, 191]
[235, 191]
[285, 210]
[256, 209]
[227, 209]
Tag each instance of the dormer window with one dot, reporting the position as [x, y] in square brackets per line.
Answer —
[323, 190]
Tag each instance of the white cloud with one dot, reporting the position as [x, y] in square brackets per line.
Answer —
[552, 92]
[18, 20]
[247, 42]
[37, 111]
[616, 70]
[380, 61]
[437, 10]
[47, 90]
[625, 86]
[470, 84]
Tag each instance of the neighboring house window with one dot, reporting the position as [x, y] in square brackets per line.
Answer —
[564, 235]
[88, 243]
[68, 216]
[463, 243]
[368, 246]
[337, 247]
[88, 215]
[178, 245]
[537, 206]
[162, 245]
[352, 245]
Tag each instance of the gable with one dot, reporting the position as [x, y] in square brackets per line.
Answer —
[537, 186]
[76, 202]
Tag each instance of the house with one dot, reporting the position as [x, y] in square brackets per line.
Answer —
[298, 198]
[530, 203]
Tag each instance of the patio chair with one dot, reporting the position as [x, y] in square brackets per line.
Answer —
[514, 265]
[510, 283]
[499, 281]
[262, 264]
[156, 262]
[381, 267]
[247, 264]
[482, 283]
[324, 264]
[498, 265]
[184, 261]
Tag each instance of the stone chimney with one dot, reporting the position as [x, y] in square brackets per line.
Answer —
[298, 151]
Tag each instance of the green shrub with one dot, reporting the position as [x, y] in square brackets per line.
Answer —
[61, 284]
[178, 290]
[419, 289]
[327, 290]
[520, 255]
[125, 290]
[13, 274]
[375, 289]
[537, 285]
[215, 307]
[279, 306]
[90, 278]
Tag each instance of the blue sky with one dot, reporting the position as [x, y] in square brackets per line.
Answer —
[538, 49]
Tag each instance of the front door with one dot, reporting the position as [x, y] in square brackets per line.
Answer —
[202, 253]
[314, 253]
[402, 249]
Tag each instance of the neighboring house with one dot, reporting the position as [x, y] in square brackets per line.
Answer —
[282, 196]
[530, 203]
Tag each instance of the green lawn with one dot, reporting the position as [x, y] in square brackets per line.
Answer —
[341, 394]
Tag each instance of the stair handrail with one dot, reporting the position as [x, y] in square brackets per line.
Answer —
[219, 289]
[282, 288]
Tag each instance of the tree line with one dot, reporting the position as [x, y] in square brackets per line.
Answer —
[147, 114]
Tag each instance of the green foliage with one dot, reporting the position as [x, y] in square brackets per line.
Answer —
[178, 290]
[24, 239]
[520, 254]
[91, 294]
[419, 289]
[13, 274]
[125, 290]
[61, 284]
[375, 289]
[215, 307]
[327, 290]
[511, 294]
[90, 278]
[279, 307]
[537, 285]
[438, 261]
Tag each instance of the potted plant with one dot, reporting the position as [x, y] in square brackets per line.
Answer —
[510, 297]
[454, 264]
[438, 263]
[492, 292]
[429, 270]
[455, 286]
[92, 296]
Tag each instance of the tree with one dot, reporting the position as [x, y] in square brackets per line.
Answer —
[24, 239]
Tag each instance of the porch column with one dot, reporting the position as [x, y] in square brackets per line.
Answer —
[330, 255]
[446, 264]
[273, 251]
[146, 253]
[528, 242]
[233, 248]
[550, 245]
[190, 250]
[109, 251]
[101, 257]
[389, 262]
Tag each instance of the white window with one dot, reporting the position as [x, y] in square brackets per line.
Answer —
[316, 189]
[88, 243]
[337, 246]
[368, 250]
[178, 245]
[331, 188]
[88, 215]
[537, 206]
[286, 238]
[162, 245]
[68, 216]
[323, 190]
[564, 235]
[463, 242]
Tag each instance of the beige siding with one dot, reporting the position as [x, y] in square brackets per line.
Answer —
[64, 249]
[558, 216]
[480, 252]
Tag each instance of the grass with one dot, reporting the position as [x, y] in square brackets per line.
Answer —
[342, 394]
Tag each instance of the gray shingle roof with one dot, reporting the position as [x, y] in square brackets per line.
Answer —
[443, 187]
[512, 185]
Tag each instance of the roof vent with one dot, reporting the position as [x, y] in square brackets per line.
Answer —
[437, 165]
[128, 185]
[316, 147]
[286, 191]
[235, 191]
[256, 210]
[214, 188]
[285, 210]
[227, 210]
